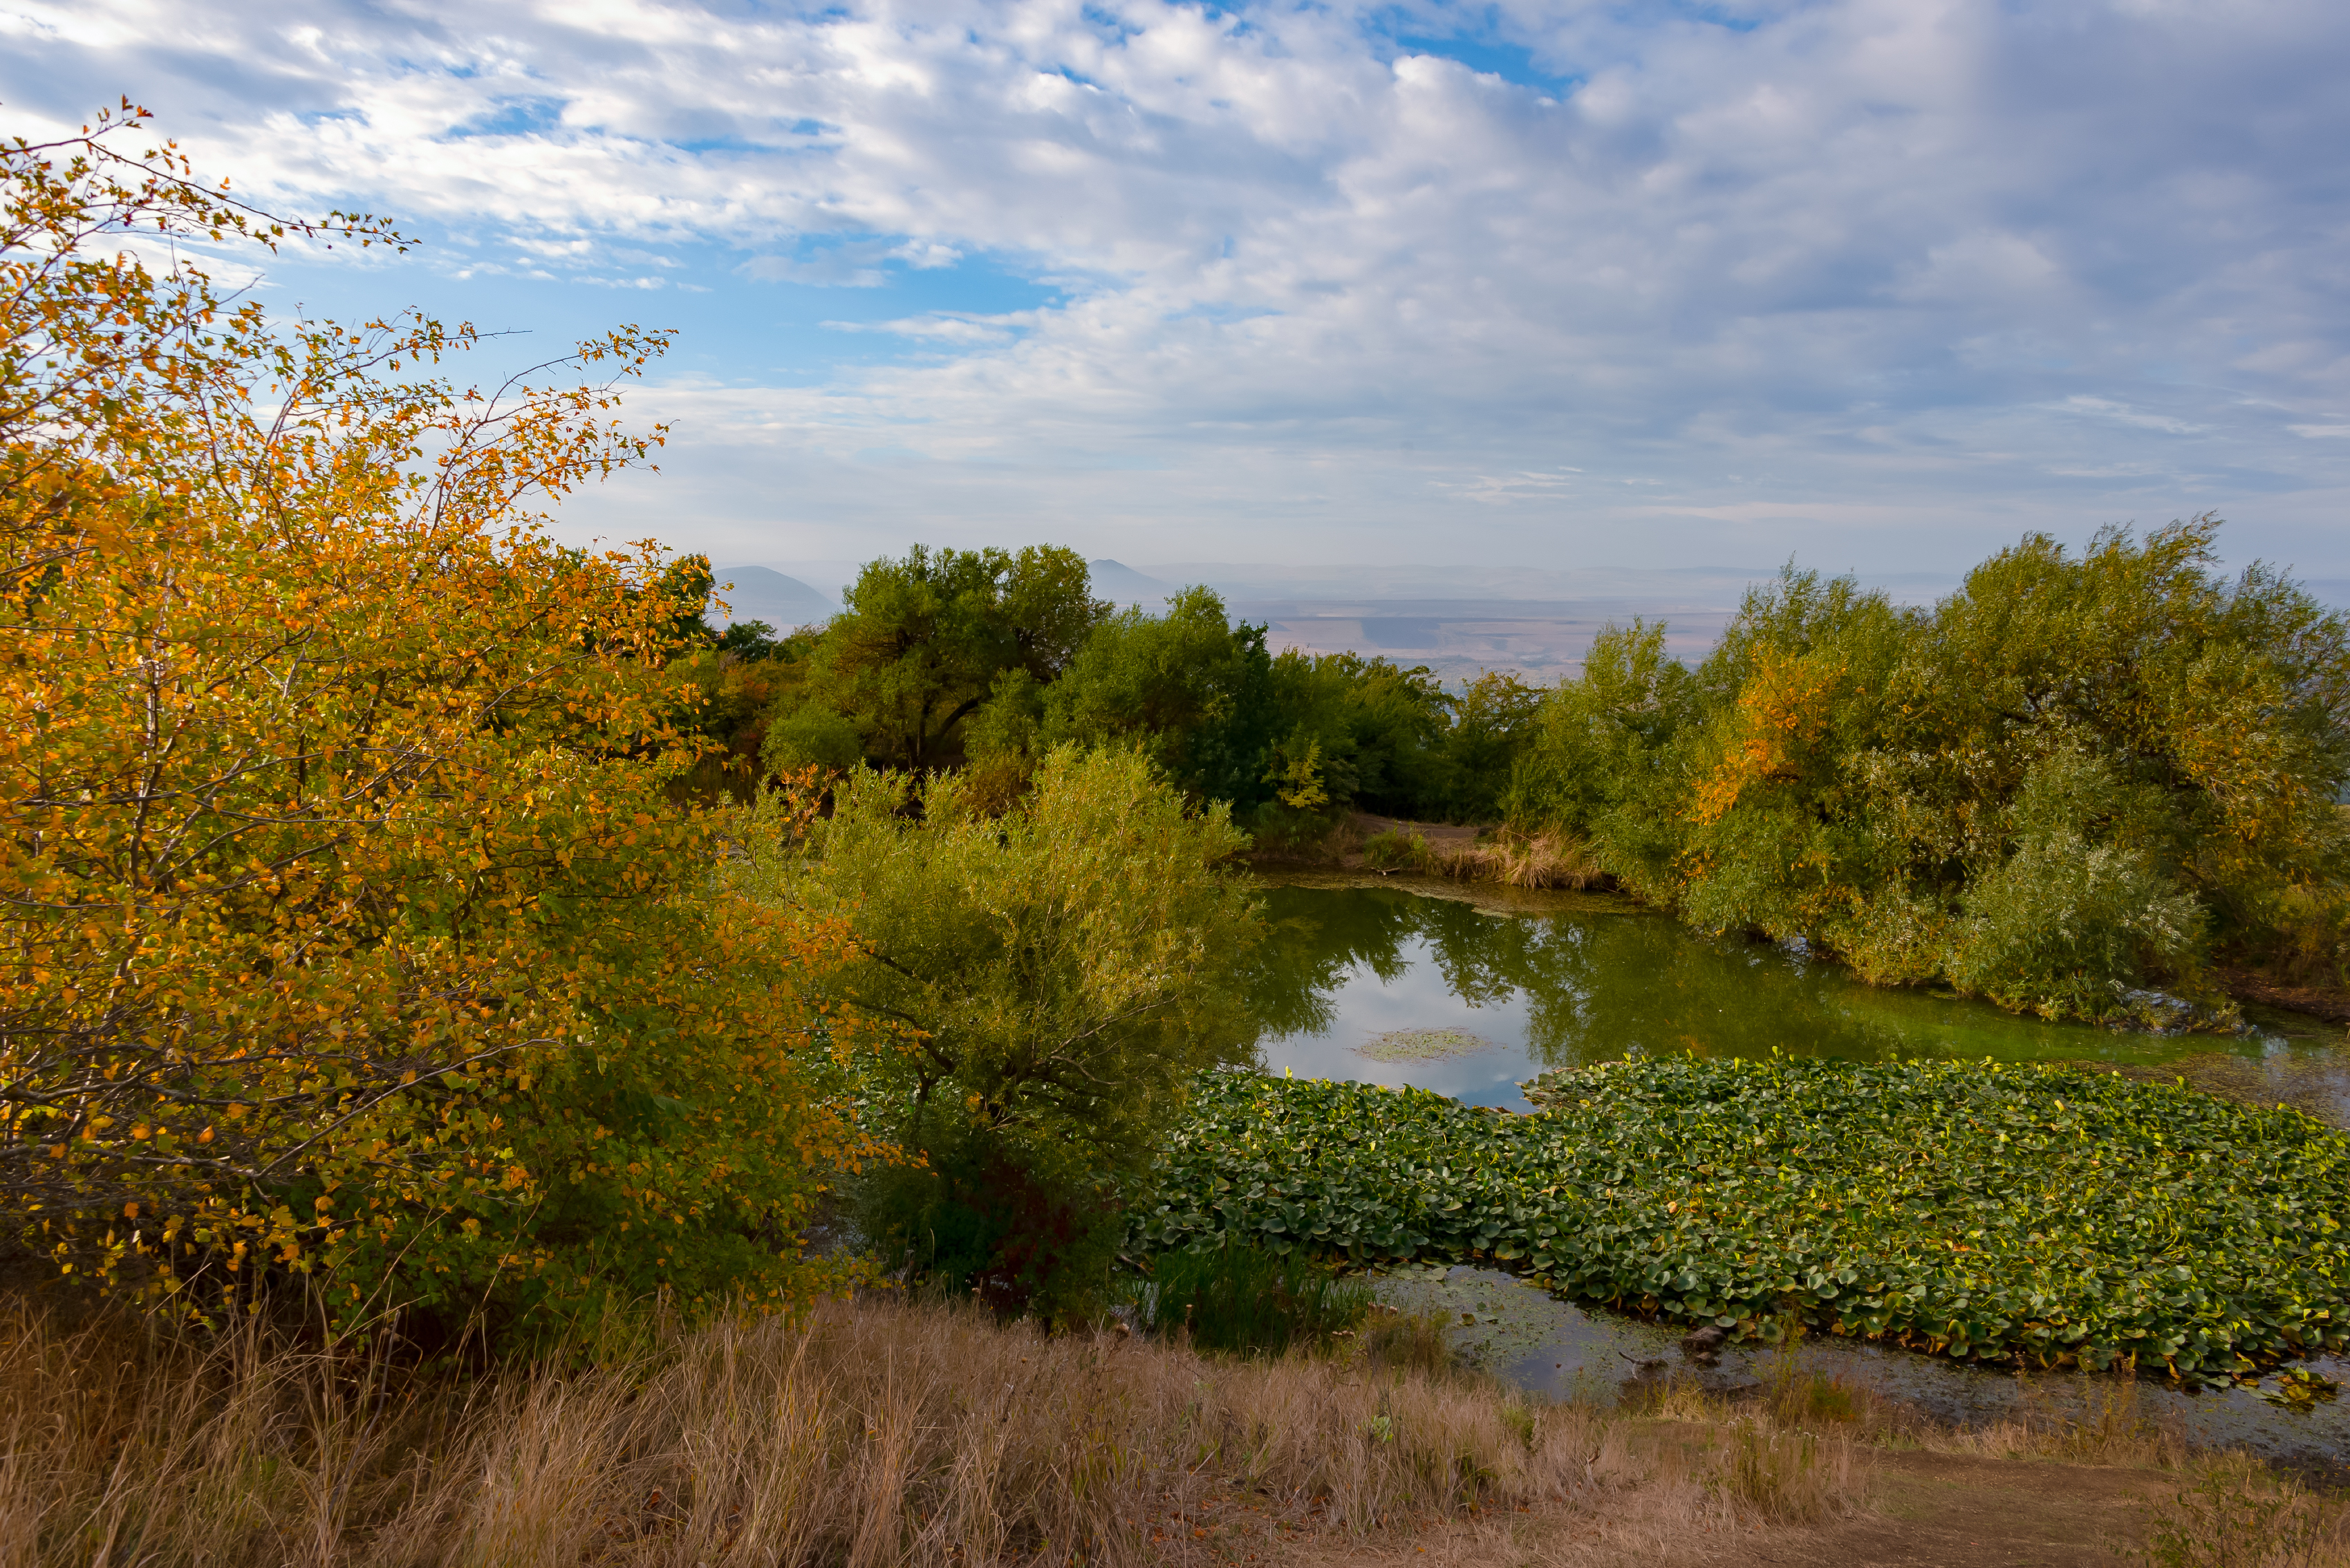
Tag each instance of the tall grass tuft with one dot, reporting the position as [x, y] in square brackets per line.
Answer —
[2236, 1514]
[1393, 849]
[1791, 1477]
[1520, 859]
[869, 1432]
[1420, 1341]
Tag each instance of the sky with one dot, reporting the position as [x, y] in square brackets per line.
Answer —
[1546, 286]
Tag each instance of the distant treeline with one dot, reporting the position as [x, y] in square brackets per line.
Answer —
[2075, 786]
[989, 659]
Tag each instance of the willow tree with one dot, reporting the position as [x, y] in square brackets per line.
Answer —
[346, 927]
[1060, 970]
[2082, 777]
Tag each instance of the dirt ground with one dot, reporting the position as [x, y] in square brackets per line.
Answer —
[1440, 835]
[2330, 1004]
[1921, 1511]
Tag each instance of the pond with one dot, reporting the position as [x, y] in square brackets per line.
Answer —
[1471, 990]
[1523, 1334]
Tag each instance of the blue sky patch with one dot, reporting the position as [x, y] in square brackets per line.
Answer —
[1489, 56]
[514, 116]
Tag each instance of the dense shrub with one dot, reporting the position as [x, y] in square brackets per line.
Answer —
[1233, 1295]
[1024, 1227]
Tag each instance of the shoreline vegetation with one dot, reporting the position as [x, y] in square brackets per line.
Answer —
[1432, 854]
[2105, 784]
[494, 1073]
[887, 1431]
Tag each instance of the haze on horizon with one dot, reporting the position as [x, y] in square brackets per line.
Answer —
[1514, 291]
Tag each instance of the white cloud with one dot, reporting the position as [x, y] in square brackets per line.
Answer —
[941, 328]
[2122, 413]
[829, 269]
[1878, 259]
[851, 264]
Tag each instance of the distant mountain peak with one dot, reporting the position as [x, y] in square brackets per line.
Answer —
[762, 592]
[1117, 581]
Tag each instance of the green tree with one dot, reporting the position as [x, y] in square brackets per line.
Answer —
[1060, 970]
[917, 649]
[1491, 724]
[1063, 966]
[1290, 741]
[2074, 779]
[1607, 761]
[1378, 729]
[1189, 687]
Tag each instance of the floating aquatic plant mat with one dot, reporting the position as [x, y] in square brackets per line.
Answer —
[1422, 1046]
[2033, 1214]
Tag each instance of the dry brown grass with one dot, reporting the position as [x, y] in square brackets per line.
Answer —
[1520, 859]
[1510, 855]
[2088, 1420]
[2097, 1421]
[876, 1432]
[2102, 1424]
[2232, 1514]
[871, 1433]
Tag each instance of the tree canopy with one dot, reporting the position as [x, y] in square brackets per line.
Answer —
[348, 926]
[920, 646]
[2077, 779]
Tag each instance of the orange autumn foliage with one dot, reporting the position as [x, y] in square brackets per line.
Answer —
[346, 926]
[1781, 712]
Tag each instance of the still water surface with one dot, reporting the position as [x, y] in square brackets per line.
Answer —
[1562, 981]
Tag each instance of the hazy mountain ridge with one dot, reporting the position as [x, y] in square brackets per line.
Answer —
[762, 592]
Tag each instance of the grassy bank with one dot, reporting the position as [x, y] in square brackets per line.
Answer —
[876, 1432]
[2032, 1214]
[1504, 854]
[871, 1432]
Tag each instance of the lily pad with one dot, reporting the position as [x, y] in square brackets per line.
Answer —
[2299, 1388]
[2030, 1215]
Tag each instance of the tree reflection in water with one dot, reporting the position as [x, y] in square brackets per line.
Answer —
[1599, 979]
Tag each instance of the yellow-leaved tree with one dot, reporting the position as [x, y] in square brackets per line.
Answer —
[346, 926]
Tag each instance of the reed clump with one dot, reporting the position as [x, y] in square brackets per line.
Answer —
[1519, 857]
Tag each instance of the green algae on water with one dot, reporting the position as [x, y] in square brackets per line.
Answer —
[1422, 1046]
